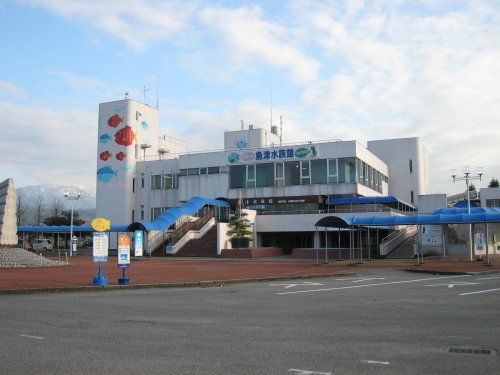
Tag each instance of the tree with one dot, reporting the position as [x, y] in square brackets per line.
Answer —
[57, 205]
[240, 230]
[64, 219]
[493, 183]
[20, 209]
[39, 208]
[472, 187]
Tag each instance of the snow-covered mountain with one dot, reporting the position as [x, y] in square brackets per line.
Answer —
[51, 199]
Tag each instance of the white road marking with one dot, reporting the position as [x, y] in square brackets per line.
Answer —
[451, 285]
[368, 279]
[375, 362]
[32, 337]
[480, 291]
[305, 283]
[489, 278]
[308, 372]
[368, 285]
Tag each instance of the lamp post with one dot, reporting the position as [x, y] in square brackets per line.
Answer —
[467, 177]
[71, 198]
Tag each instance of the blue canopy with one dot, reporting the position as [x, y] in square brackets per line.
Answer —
[448, 216]
[173, 214]
[65, 228]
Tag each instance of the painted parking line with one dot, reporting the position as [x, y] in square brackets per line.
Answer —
[376, 284]
[452, 284]
[308, 372]
[489, 278]
[368, 279]
[371, 362]
[305, 283]
[480, 291]
[32, 337]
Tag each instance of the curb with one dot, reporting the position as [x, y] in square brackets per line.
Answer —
[189, 284]
[445, 272]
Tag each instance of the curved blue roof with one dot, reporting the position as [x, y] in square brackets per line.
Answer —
[173, 214]
[485, 215]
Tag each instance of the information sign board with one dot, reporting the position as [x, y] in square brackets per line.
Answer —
[124, 251]
[100, 247]
[138, 240]
[479, 240]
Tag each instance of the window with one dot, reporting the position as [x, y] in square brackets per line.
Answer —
[168, 181]
[319, 171]
[133, 186]
[411, 166]
[411, 197]
[223, 169]
[142, 180]
[203, 170]
[305, 174]
[279, 175]
[156, 212]
[213, 170]
[156, 181]
[250, 176]
[142, 214]
[193, 171]
[183, 172]
[237, 176]
[347, 170]
[264, 175]
[133, 215]
[332, 171]
[292, 173]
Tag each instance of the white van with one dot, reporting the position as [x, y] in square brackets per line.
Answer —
[42, 244]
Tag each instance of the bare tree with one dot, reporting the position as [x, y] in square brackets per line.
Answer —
[39, 208]
[57, 205]
[20, 209]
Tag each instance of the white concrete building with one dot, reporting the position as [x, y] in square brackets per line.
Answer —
[139, 175]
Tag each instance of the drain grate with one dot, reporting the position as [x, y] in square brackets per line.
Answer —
[471, 351]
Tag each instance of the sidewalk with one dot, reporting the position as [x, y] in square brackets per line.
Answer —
[80, 271]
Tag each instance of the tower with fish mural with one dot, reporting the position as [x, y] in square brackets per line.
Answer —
[127, 133]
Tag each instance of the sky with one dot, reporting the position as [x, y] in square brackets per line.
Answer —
[345, 70]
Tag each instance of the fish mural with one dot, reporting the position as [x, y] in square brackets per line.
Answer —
[115, 120]
[105, 138]
[144, 125]
[105, 155]
[127, 168]
[125, 136]
[121, 155]
[105, 174]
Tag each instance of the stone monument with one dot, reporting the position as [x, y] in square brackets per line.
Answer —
[8, 219]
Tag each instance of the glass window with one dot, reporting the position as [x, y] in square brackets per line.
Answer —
[292, 173]
[193, 171]
[305, 175]
[213, 170]
[251, 176]
[203, 170]
[168, 181]
[133, 186]
[183, 172]
[156, 212]
[223, 169]
[237, 176]
[411, 166]
[156, 181]
[360, 165]
[319, 171]
[347, 170]
[264, 175]
[332, 171]
[279, 174]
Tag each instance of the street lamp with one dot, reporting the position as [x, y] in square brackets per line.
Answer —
[467, 177]
[71, 198]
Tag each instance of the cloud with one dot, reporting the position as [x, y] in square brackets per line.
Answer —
[9, 90]
[137, 22]
[42, 145]
[250, 39]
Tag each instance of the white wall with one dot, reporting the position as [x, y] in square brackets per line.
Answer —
[489, 193]
[429, 203]
[250, 138]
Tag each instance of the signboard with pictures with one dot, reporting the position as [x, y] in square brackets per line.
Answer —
[138, 240]
[124, 251]
[432, 235]
[100, 247]
[479, 241]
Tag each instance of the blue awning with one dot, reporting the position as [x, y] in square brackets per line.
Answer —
[171, 215]
[367, 200]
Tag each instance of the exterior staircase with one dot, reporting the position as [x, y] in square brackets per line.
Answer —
[397, 238]
[205, 246]
[403, 250]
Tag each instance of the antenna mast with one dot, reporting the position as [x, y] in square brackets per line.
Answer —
[271, 99]
[157, 80]
[281, 130]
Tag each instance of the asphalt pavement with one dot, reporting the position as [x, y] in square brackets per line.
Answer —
[377, 322]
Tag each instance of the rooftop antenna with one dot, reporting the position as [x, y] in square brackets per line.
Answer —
[144, 93]
[241, 124]
[281, 130]
[271, 99]
[157, 80]
[126, 95]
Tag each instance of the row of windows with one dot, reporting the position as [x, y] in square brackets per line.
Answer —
[201, 171]
[164, 181]
[305, 172]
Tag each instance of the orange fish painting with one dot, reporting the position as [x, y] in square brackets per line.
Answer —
[105, 155]
[125, 136]
[121, 155]
[115, 120]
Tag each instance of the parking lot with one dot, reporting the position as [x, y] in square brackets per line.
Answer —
[378, 321]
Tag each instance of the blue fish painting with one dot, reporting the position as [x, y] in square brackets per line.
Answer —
[105, 174]
[105, 138]
[144, 125]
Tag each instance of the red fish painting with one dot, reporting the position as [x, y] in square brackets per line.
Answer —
[125, 136]
[115, 120]
[105, 155]
[121, 155]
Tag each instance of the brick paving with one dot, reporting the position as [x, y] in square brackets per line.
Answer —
[81, 270]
